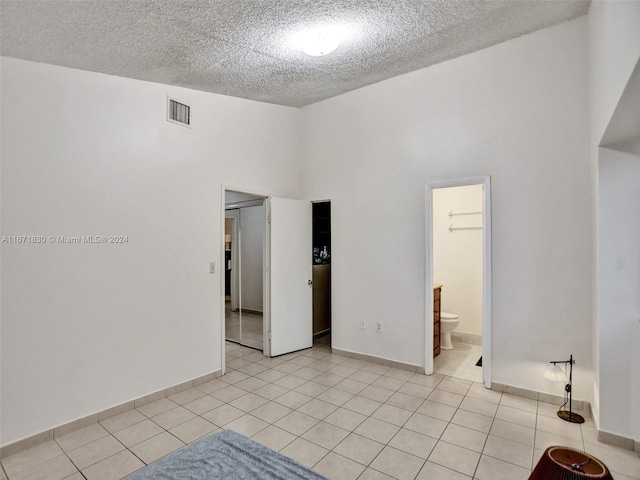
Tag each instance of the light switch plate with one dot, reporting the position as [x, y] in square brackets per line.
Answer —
[212, 267]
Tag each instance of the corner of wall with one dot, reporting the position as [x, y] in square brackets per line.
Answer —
[595, 404]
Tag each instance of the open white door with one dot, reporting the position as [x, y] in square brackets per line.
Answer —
[289, 301]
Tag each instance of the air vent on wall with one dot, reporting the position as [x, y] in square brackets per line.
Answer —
[178, 112]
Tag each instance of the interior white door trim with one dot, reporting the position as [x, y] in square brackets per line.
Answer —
[486, 273]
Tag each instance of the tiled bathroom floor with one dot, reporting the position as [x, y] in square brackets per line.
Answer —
[345, 418]
[459, 362]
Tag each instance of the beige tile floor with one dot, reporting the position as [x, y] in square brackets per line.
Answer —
[345, 418]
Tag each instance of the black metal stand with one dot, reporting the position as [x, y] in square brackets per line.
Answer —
[563, 414]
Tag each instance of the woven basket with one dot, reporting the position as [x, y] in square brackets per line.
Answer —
[564, 463]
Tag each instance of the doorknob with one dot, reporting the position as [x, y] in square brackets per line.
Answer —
[309, 282]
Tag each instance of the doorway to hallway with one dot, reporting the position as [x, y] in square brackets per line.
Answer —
[244, 269]
[273, 279]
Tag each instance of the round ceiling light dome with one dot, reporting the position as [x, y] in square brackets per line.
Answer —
[320, 40]
[318, 43]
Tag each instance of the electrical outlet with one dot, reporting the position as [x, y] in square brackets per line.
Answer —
[378, 327]
[363, 325]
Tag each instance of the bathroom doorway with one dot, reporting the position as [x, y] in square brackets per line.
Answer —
[458, 278]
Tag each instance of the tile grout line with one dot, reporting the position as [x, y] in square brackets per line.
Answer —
[535, 436]
[493, 419]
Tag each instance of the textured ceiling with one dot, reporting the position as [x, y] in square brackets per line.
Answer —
[243, 48]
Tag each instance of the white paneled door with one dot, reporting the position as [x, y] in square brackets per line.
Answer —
[289, 272]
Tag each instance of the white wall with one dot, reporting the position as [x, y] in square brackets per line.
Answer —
[252, 226]
[614, 49]
[517, 111]
[457, 254]
[618, 288]
[87, 327]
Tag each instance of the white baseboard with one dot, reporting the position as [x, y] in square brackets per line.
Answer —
[581, 406]
[468, 338]
[380, 360]
[53, 433]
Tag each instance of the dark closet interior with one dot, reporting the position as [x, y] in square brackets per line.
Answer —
[321, 268]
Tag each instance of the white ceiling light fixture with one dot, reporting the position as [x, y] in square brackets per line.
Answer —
[321, 40]
[320, 43]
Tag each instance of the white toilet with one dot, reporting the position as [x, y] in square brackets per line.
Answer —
[448, 323]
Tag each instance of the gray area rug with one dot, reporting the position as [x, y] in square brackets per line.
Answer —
[225, 455]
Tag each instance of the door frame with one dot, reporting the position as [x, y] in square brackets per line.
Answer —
[485, 181]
